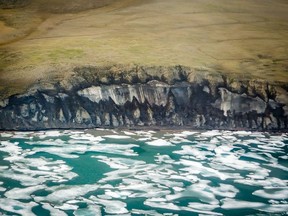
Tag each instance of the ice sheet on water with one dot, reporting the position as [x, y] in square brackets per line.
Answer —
[23, 193]
[194, 151]
[51, 133]
[64, 193]
[199, 190]
[48, 142]
[53, 211]
[228, 203]
[66, 206]
[267, 182]
[111, 206]
[174, 207]
[163, 159]
[277, 193]
[159, 142]
[73, 151]
[211, 133]
[195, 168]
[277, 208]
[6, 134]
[119, 163]
[91, 209]
[34, 171]
[145, 212]
[117, 137]
[17, 207]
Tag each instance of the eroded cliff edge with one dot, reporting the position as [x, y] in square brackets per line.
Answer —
[136, 96]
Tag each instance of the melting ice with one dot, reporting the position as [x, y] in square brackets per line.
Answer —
[111, 172]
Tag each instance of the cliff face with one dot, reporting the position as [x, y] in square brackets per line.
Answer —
[143, 96]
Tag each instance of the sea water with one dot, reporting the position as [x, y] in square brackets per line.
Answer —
[112, 172]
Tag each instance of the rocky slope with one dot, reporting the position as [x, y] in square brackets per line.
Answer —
[135, 96]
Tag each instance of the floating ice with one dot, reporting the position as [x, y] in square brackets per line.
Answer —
[203, 173]
[211, 133]
[53, 211]
[111, 206]
[159, 142]
[5, 134]
[91, 209]
[64, 193]
[23, 193]
[273, 193]
[17, 207]
[145, 212]
[117, 137]
[240, 204]
[119, 163]
[66, 206]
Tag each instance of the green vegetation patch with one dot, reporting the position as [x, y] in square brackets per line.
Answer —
[60, 54]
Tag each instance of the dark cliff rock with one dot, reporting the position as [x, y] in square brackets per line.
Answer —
[148, 96]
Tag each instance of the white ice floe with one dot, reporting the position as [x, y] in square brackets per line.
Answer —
[228, 203]
[67, 206]
[273, 193]
[211, 133]
[194, 151]
[117, 137]
[174, 207]
[119, 163]
[275, 208]
[23, 193]
[48, 142]
[17, 207]
[242, 133]
[111, 206]
[199, 190]
[6, 134]
[90, 210]
[195, 167]
[64, 193]
[53, 211]
[73, 151]
[159, 142]
[145, 212]
[267, 182]
[163, 159]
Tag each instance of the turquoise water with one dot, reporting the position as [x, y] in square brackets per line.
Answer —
[111, 172]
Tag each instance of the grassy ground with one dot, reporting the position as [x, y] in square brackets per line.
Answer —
[246, 39]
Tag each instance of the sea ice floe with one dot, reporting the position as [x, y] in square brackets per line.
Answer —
[23, 193]
[199, 190]
[67, 206]
[53, 211]
[228, 203]
[64, 193]
[195, 168]
[194, 151]
[17, 207]
[163, 159]
[111, 206]
[91, 209]
[267, 182]
[119, 163]
[6, 134]
[159, 142]
[145, 212]
[174, 207]
[117, 137]
[211, 133]
[277, 193]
